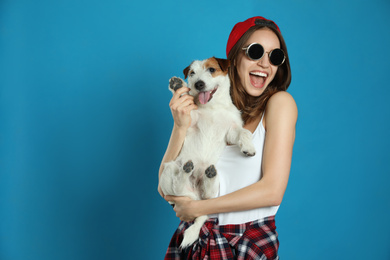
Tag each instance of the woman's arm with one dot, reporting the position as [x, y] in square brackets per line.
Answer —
[280, 120]
[181, 106]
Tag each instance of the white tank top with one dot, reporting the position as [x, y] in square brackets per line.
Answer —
[237, 171]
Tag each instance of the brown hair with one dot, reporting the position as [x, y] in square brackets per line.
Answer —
[252, 107]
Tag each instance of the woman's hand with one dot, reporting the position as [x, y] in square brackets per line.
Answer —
[186, 209]
[181, 106]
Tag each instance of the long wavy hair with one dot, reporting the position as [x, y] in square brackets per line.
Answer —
[253, 107]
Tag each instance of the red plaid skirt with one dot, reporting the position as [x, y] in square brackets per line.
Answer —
[252, 240]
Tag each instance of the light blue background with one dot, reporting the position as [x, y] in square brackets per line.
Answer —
[84, 123]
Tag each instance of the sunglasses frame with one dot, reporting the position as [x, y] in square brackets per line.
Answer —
[246, 49]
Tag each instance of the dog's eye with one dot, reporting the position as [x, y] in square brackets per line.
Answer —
[212, 70]
[192, 73]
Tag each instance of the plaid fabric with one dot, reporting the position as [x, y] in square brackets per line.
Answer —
[252, 240]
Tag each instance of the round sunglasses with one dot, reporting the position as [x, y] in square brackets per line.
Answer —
[255, 51]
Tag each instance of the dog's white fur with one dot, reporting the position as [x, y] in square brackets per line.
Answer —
[213, 125]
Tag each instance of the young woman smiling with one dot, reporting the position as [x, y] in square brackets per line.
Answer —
[242, 217]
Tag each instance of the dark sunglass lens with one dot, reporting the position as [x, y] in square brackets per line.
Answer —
[277, 57]
[255, 51]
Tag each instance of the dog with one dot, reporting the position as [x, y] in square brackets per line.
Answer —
[216, 123]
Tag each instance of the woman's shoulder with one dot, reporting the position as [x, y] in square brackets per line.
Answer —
[281, 100]
[281, 107]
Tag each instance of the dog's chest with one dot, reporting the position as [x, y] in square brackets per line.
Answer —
[212, 125]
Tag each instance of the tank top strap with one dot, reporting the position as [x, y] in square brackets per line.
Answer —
[260, 125]
[262, 117]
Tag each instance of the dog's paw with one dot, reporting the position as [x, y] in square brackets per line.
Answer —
[188, 166]
[211, 171]
[246, 144]
[248, 150]
[249, 154]
[175, 83]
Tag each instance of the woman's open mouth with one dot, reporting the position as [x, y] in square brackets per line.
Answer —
[258, 78]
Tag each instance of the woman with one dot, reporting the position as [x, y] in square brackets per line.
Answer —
[242, 217]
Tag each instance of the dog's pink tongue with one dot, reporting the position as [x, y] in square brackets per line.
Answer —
[204, 97]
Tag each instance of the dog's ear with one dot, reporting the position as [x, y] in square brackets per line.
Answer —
[185, 71]
[223, 63]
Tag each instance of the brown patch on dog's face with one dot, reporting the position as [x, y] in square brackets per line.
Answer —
[217, 67]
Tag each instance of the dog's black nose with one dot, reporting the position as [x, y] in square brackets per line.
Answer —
[199, 85]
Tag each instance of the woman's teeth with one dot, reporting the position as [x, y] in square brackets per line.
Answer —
[259, 74]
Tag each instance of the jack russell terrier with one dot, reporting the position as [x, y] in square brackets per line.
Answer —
[216, 123]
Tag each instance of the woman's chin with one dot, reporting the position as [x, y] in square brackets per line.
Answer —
[256, 91]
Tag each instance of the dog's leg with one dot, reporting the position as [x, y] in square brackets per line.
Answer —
[243, 138]
[245, 142]
[175, 83]
[169, 177]
[175, 181]
[209, 184]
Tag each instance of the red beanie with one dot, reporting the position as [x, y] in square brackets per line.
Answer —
[240, 28]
